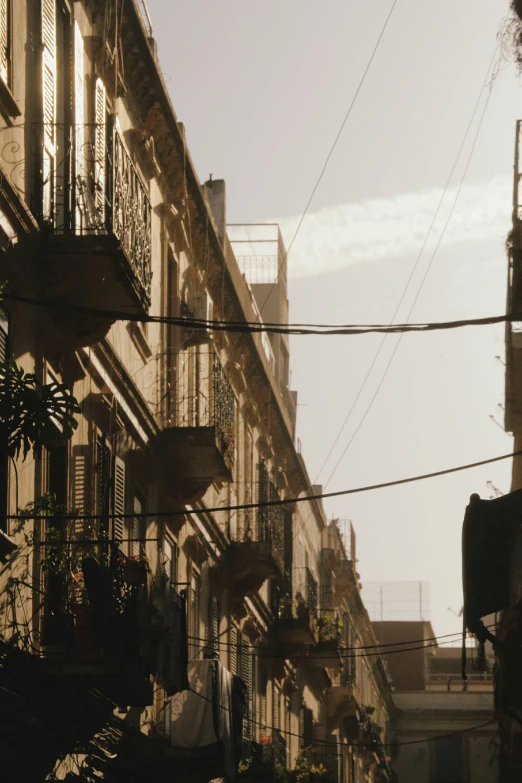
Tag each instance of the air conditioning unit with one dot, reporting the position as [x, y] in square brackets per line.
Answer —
[198, 307]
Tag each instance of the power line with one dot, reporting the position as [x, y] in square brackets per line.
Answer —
[281, 501]
[275, 328]
[370, 743]
[450, 215]
[332, 148]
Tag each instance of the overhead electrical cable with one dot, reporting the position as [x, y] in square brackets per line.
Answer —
[371, 743]
[487, 83]
[281, 501]
[290, 329]
[332, 148]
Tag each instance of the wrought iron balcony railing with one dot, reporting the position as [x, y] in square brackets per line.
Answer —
[205, 398]
[90, 594]
[296, 597]
[269, 522]
[90, 187]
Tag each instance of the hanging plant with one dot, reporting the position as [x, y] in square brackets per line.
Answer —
[33, 414]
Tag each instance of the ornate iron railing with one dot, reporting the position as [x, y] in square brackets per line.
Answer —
[270, 519]
[90, 591]
[295, 597]
[90, 187]
[205, 399]
[131, 214]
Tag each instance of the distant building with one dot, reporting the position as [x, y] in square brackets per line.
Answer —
[433, 703]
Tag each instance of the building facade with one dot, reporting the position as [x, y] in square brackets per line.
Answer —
[162, 612]
[444, 727]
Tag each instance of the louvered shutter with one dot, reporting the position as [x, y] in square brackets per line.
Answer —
[3, 341]
[119, 499]
[287, 732]
[246, 676]
[4, 40]
[49, 103]
[100, 152]
[82, 196]
[138, 532]
[215, 612]
[233, 656]
[277, 707]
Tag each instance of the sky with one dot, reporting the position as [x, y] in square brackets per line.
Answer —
[262, 89]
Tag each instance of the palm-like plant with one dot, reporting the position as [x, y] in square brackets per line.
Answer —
[33, 414]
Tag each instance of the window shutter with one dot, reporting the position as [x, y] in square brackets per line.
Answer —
[79, 118]
[100, 151]
[215, 616]
[246, 676]
[3, 343]
[4, 40]
[233, 650]
[119, 498]
[49, 102]
[138, 532]
[277, 707]
[287, 731]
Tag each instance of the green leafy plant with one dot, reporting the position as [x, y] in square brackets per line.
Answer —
[33, 414]
[309, 768]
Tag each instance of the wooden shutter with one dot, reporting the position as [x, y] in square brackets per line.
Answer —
[287, 731]
[246, 676]
[138, 528]
[82, 196]
[232, 656]
[119, 499]
[100, 152]
[277, 707]
[3, 341]
[4, 41]
[49, 103]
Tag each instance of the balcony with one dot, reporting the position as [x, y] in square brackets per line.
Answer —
[260, 554]
[342, 704]
[94, 247]
[328, 651]
[90, 627]
[295, 609]
[198, 442]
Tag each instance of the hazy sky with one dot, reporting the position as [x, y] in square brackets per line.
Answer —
[262, 88]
